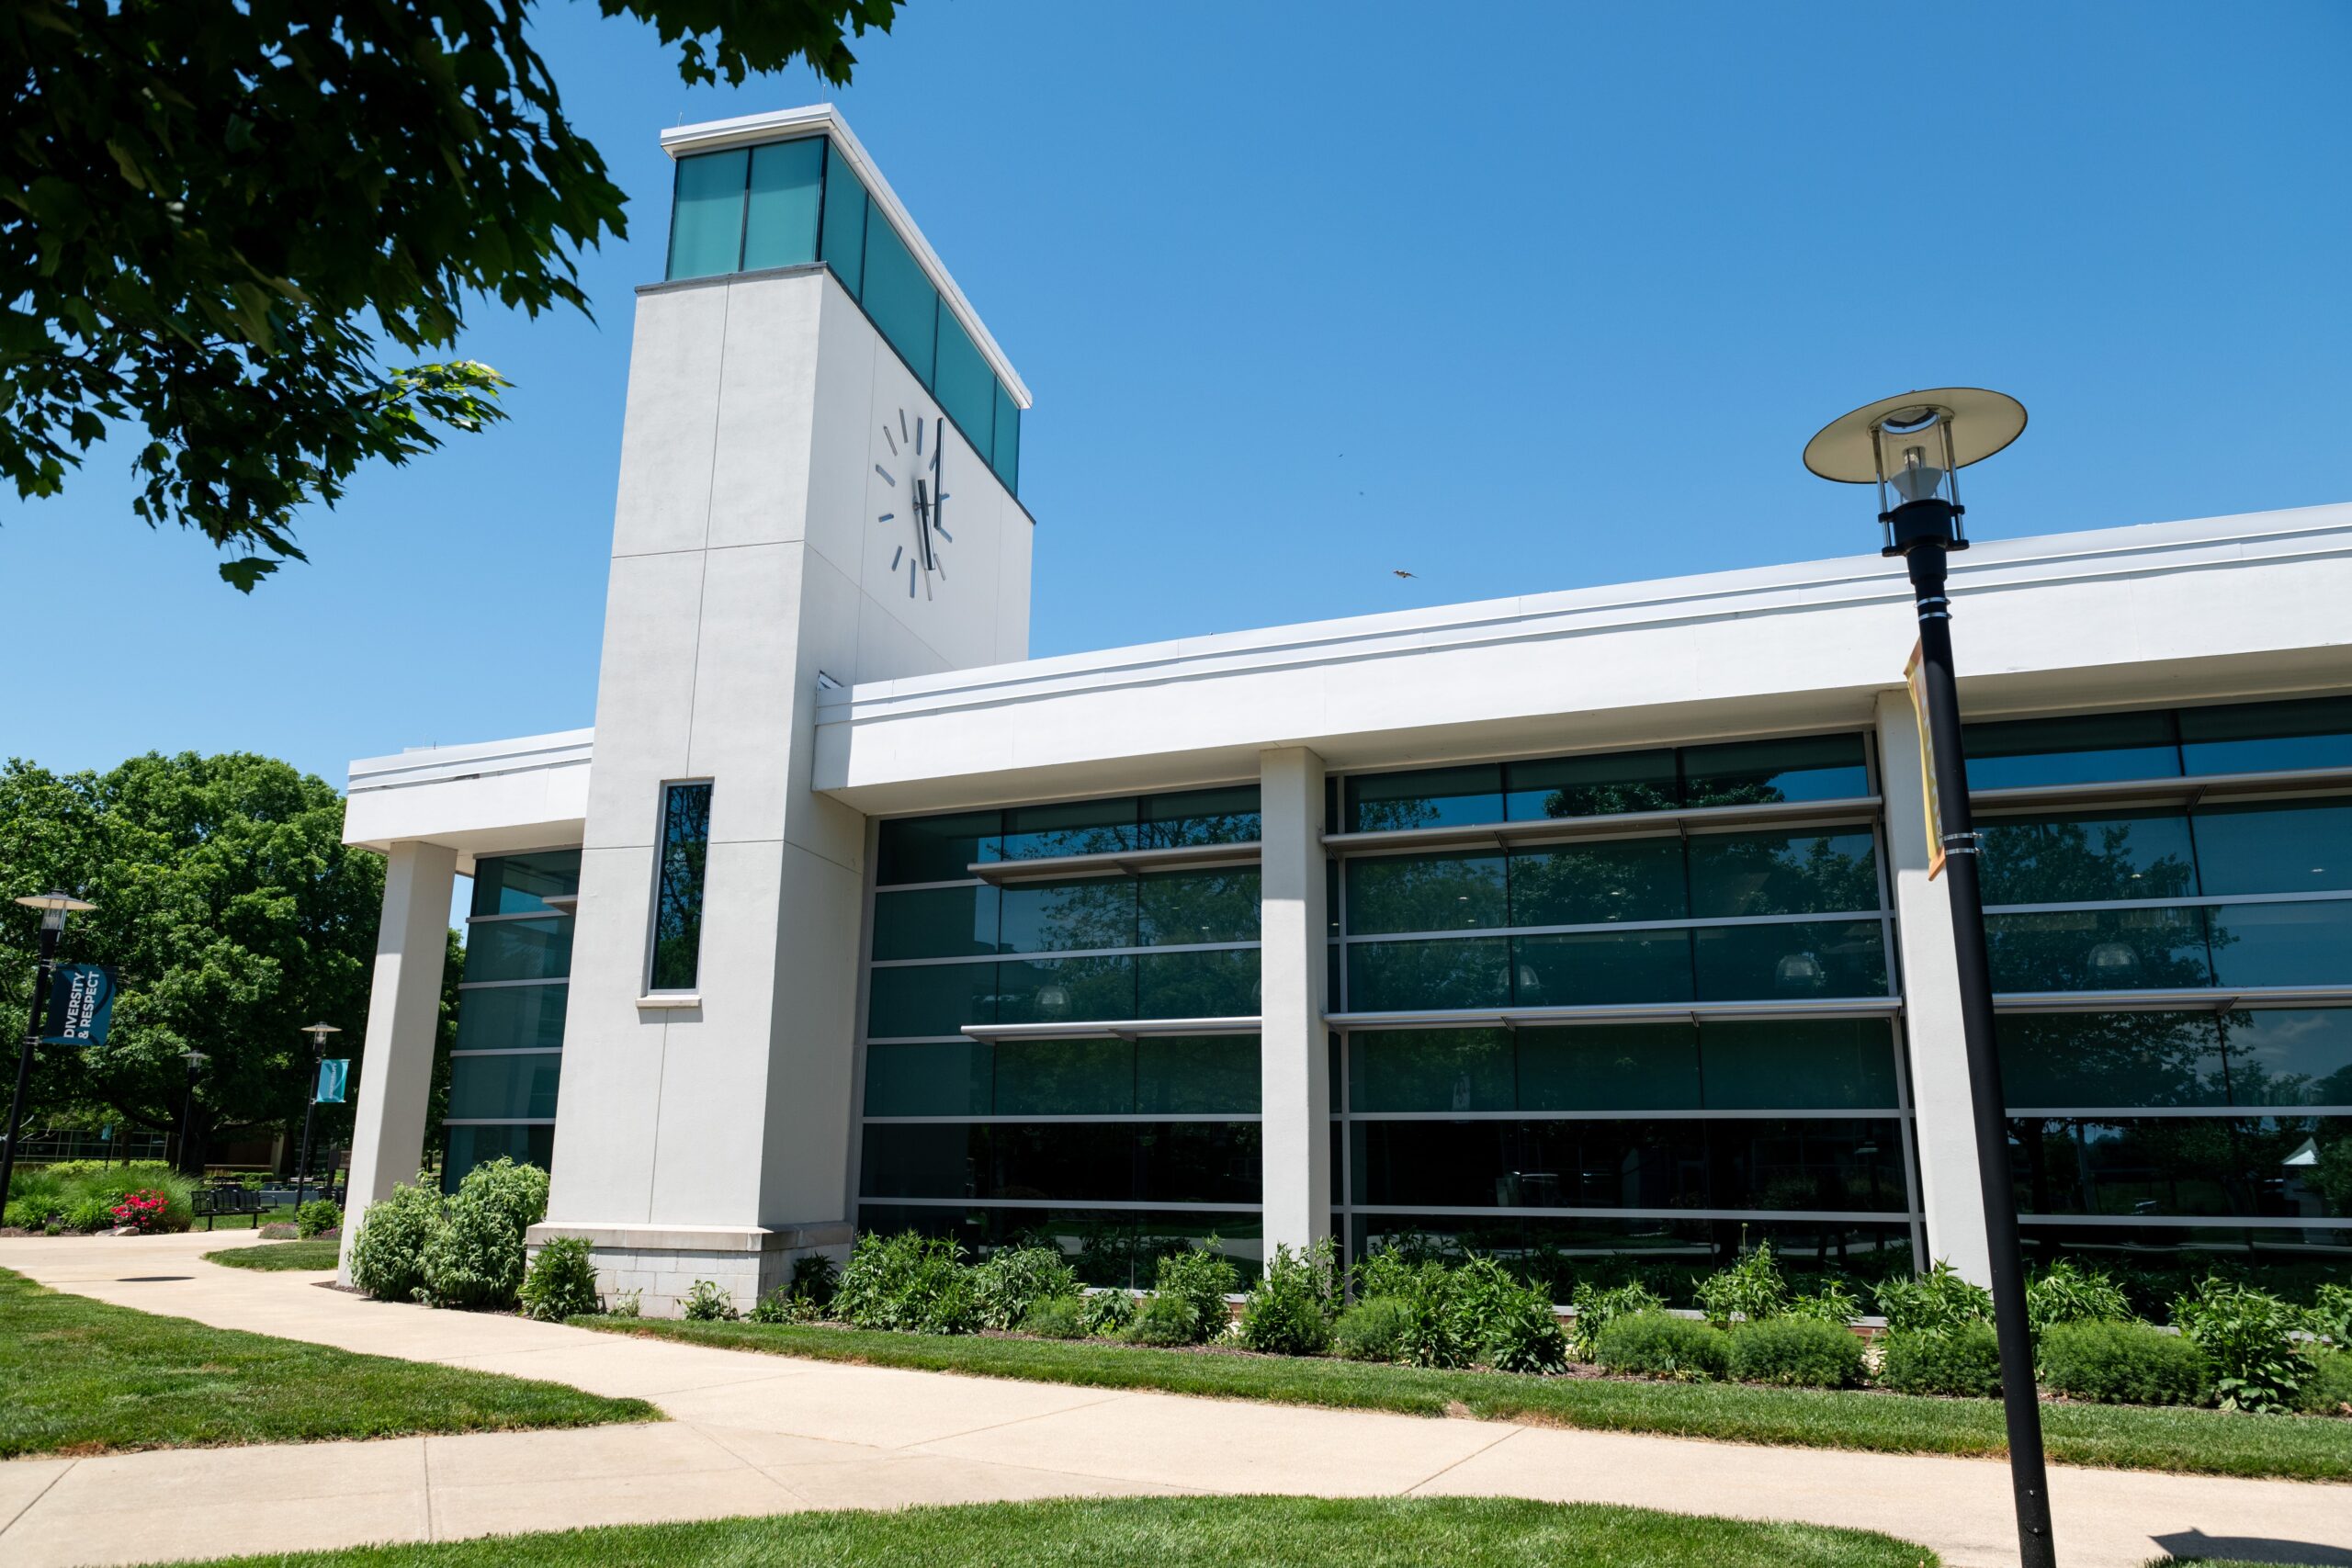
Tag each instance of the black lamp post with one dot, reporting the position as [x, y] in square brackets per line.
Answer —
[1913, 447]
[317, 1034]
[195, 1060]
[53, 907]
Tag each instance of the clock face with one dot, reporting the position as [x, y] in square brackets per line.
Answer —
[913, 503]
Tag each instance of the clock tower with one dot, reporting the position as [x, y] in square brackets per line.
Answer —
[818, 481]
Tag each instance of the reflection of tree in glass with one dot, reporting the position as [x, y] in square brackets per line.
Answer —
[2036, 861]
[686, 846]
[1069, 917]
[1620, 879]
[1180, 907]
[2188, 1165]
[2061, 860]
[2112, 1059]
[1425, 892]
[1782, 873]
[1396, 976]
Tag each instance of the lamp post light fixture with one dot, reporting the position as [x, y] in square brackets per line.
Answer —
[195, 1060]
[53, 907]
[1912, 448]
[317, 1034]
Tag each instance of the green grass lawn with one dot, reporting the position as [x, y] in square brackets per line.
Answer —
[83, 1377]
[277, 1254]
[1174, 1532]
[2125, 1436]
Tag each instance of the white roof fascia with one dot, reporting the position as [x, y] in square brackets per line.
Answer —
[786, 125]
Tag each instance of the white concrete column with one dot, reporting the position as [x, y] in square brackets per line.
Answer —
[1944, 1124]
[403, 1014]
[1294, 1061]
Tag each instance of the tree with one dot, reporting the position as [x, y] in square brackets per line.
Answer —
[215, 214]
[234, 914]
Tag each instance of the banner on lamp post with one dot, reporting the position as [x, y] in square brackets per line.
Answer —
[1935, 811]
[335, 1076]
[81, 1005]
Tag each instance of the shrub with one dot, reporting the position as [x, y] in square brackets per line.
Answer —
[1166, 1320]
[1107, 1313]
[1203, 1275]
[1597, 1309]
[387, 1256]
[90, 1212]
[1751, 1289]
[2330, 1316]
[2066, 1294]
[476, 1257]
[562, 1282]
[2327, 1383]
[1659, 1345]
[280, 1230]
[1962, 1359]
[142, 1211]
[1437, 1331]
[1062, 1317]
[2122, 1363]
[706, 1302]
[1797, 1352]
[815, 1278]
[912, 1283]
[1386, 1271]
[1370, 1330]
[317, 1217]
[1938, 1300]
[1014, 1279]
[1835, 1302]
[1522, 1332]
[36, 1196]
[628, 1303]
[2249, 1337]
[1289, 1311]
[780, 1305]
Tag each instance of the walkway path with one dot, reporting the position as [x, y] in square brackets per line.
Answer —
[754, 1434]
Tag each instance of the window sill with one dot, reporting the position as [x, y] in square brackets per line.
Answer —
[671, 1001]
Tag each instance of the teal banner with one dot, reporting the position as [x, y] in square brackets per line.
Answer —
[81, 1005]
[334, 1074]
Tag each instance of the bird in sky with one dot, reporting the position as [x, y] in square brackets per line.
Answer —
[1402, 573]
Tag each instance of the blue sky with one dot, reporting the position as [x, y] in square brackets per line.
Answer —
[1546, 298]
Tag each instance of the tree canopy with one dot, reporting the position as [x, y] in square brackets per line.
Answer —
[234, 914]
[216, 215]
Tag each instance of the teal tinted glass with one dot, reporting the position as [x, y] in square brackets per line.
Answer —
[1395, 977]
[1751, 772]
[470, 1146]
[1611, 1066]
[707, 214]
[499, 1087]
[2300, 847]
[938, 849]
[677, 905]
[1064, 1077]
[1197, 1074]
[900, 299]
[1007, 457]
[2255, 738]
[947, 1077]
[1591, 786]
[2282, 944]
[533, 949]
[2099, 950]
[1428, 797]
[1620, 879]
[1596, 968]
[930, 999]
[1062, 991]
[1791, 962]
[780, 219]
[1180, 907]
[2105, 1060]
[2089, 748]
[936, 922]
[1425, 893]
[1071, 828]
[2085, 857]
[521, 885]
[1198, 984]
[1079, 916]
[1433, 1069]
[845, 236]
[2291, 1057]
[966, 388]
[1814, 1064]
[1223, 816]
[499, 1018]
[1811, 873]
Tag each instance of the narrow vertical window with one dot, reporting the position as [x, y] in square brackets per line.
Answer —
[677, 908]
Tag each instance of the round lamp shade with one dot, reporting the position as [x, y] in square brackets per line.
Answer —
[1980, 422]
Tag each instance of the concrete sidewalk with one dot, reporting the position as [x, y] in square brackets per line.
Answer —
[753, 1434]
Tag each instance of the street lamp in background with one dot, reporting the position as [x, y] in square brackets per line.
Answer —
[1912, 448]
[317, 1034]
[195, 1060]
[53, 907]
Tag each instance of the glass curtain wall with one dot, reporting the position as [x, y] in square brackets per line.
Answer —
[1113, 1147]
[2171, 1133]
[1602, 1149]
[797, 203]
[509, 1053]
